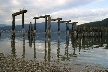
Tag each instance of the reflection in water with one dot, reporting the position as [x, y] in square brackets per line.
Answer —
[74, 45]
[80, 45]
[13, 44]
[58, 49]
[30, 34]
[45, 51]
[34, 48]
[67, 41]
[23, 37]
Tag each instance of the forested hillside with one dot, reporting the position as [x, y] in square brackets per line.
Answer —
[103, 23]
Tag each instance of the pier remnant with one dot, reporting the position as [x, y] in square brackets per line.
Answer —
[46, 19]
[67, 28]
[58, 26]
[74, 28]
[49, 37]
[58, 50]
[13, 27]
[35, 36]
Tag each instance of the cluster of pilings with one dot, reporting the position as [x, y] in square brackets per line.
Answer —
[78, 44]
[77, 31]
[47, 21]
[13, 29]
[47, 31]
[83, 31]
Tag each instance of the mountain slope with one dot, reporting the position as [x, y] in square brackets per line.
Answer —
[103, 23]
[39, 27]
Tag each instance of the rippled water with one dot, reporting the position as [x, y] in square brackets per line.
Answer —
[87, 49]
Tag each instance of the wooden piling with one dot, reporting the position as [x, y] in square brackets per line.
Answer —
[74, 28]
[58, 50]
[49, 36]
[13, 27]
[34, 36]
[67, 29]
[45, 28]
[13, 36]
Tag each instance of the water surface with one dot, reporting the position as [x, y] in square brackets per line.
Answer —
[83, 49]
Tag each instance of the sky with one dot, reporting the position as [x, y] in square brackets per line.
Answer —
[82, 11]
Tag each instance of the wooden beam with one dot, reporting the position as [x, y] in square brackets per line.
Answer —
[20, 12]
[73, 22]
[65, 21]
[36, 18]
[56, 19]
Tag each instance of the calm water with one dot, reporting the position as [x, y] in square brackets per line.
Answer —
[88, 49]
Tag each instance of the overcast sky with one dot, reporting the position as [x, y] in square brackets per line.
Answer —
[82, 11]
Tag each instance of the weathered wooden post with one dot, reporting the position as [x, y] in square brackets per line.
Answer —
[13, 26]
[45, 31]
[58, 50]
[46, 16]
[23, 35]
[67, 37]
[46, 19]
[74, 28]
[49, 37]
[13, 35]
[34, 34]
[67, 29]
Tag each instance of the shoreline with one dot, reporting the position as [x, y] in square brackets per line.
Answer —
[9, 63]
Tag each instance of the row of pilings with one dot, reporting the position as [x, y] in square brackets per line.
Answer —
[78, 44]
[47, 30]
[77, 31]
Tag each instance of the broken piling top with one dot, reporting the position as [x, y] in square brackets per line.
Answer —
[73, 22]
[36, 18]
[66, 21]
[20, 12]
[56, 19]
[44, 16]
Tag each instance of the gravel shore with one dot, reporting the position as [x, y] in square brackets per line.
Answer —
[9, 63]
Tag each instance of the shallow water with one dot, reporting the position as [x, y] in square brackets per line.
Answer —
[89, 49]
